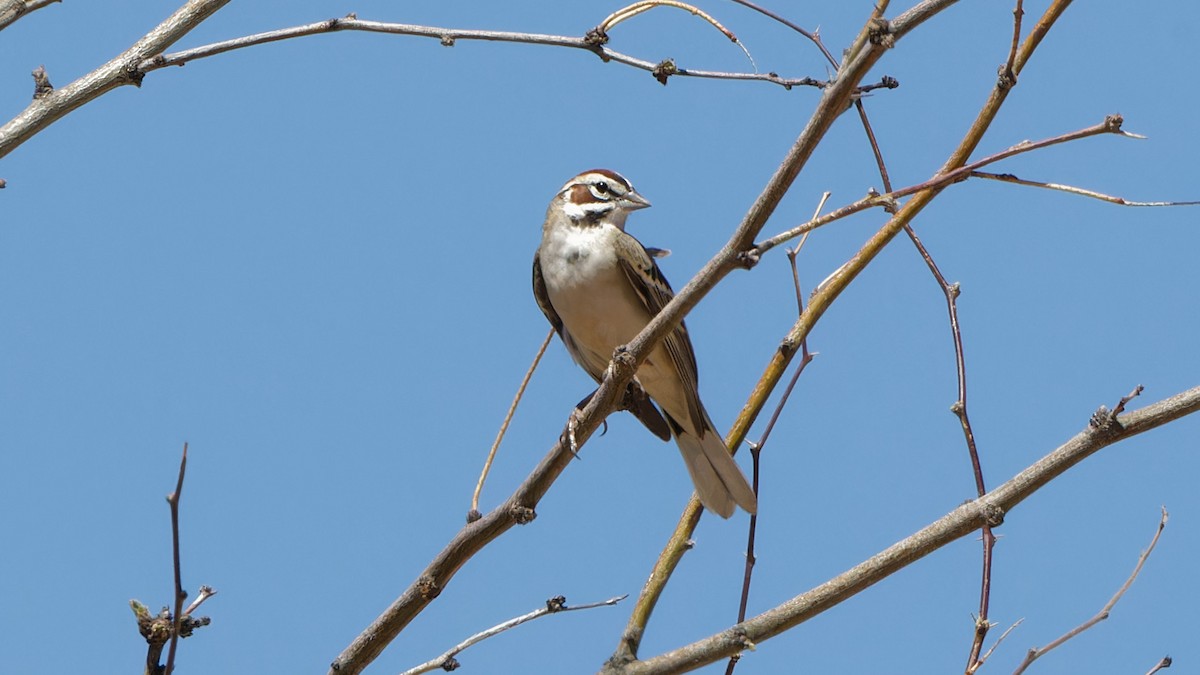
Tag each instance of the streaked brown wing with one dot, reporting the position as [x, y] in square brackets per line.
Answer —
[543, 298]
[654, 291]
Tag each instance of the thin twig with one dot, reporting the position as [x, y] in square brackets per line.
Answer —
[987, 655]
[1120, 201]
[950, 292]
[205, 593]
[646, 5]
[1110, 125]
[11, 10]
[180, 594]
[813, 36]
[756, 448]
[1164, 663]
[1037, 652]
[448, 37]
[1008, 77]
[554, 605]
[474, 514]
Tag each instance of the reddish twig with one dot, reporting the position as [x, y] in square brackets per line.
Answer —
[756, 448]
[1110, 125]
[180, 594]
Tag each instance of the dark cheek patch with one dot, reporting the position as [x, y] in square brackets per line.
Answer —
[580, 194]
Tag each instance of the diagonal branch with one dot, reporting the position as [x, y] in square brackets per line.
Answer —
[51, 106]
[962, 521]
[11, 10]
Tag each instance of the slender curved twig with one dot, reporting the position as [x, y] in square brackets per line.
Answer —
[448, 37]
[1110, 125]
[1037, 652]
[512, 409]
[1071, 189]
[555, 605]
[806, 358]
[180, 594]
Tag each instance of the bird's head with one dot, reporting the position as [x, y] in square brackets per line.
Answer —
[600, 196]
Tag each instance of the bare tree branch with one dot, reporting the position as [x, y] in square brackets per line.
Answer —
[806, 358]
[11, 10]
[180, 594]
[554, 605]
[1110, 125]
[168, 626]
[122, 70]
[448, 37]
[991, 508]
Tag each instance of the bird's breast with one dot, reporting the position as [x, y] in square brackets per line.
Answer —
[589, 291]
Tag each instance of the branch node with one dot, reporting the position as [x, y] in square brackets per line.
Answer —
[135, 74]
[664, 70]
[556, 604]
[622, 362]
[880, 33]
[1112, 123]
[448, 41]
[523, 515]
[428, 587]
[473, 515]
[749, 258]
[450, 664]
[993, 514]
[1005, 77]
[595, 38]
[41, 83]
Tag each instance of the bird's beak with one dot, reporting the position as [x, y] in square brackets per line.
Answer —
[634, 201]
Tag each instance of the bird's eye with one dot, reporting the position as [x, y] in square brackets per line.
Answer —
[602, 187]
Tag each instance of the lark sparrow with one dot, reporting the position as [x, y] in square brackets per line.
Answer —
[599, 288]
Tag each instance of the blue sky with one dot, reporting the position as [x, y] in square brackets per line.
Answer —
[310, 260]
